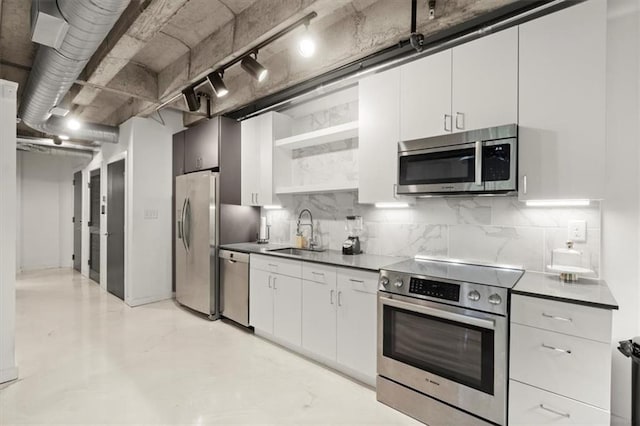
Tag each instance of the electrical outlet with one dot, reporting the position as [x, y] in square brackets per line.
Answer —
[577, 231]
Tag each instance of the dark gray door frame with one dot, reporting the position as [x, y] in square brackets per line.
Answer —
[116, 189]
[77, 221]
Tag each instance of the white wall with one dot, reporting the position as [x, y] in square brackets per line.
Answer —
[146, 145]
[45, 209]
[8, 367]
[620, 210]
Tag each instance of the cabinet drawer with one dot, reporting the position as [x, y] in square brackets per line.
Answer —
[289, 267]
[568, 318]
[533, 406]
[316, 272]
[570, 366]
[358, 280]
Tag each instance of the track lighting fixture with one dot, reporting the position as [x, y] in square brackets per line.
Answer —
[253, 68]
[306, 44]
[192, 100]
[218, 86]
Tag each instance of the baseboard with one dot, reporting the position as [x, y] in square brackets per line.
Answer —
[8, 374]
[147, 300]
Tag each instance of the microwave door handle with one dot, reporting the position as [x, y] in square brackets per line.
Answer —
[478, 163]
[452, 316]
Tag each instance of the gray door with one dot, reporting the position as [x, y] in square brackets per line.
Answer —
[94, 226]
[115, 228]
[77, 221]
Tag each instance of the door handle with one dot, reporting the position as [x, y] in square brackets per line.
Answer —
[269, 281]
[524, 184]
[478, 162]
[447, 117]
[339, 298]
[179, 230]
[106, 234]
[331, 296]
[181, 222]
[274, 283]
[257, 197]
[459, 115]
[231, 261]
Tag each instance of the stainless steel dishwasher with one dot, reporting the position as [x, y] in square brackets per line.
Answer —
[234, 286]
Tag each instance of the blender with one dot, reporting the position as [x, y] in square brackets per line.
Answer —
[352, 244]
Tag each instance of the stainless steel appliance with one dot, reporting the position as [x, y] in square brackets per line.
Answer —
[196, 241]
[234, 286]
[442, 340]
[477, 161]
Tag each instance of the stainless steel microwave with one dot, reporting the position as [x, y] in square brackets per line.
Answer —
[479, 161]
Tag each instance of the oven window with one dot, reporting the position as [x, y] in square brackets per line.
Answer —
[456, 351]
[438, 167]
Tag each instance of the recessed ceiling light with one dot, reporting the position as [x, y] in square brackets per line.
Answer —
[73, 124]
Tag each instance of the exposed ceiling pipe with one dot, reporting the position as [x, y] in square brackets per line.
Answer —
[54, 70]
[49, 143]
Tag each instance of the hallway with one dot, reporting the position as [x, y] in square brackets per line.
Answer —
[84, 357]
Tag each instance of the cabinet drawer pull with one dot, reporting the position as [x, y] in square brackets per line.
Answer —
[319, 274]
[553, 348]
[356, 281]
[273, 265]
[269, 281]
[274, 283]
[447, 117]
[459, 115]
[331, 296]
[544, 314]
[339, 298]
[559, 413]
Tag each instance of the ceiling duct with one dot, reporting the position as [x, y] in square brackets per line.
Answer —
[55, 70]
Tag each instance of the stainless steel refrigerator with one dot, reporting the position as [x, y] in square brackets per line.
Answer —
[199, 216]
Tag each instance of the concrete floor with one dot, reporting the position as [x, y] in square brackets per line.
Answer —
[84, 357]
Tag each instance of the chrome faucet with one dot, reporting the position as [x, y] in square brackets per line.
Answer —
[312, 240]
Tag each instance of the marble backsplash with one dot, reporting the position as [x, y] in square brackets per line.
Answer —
[491, 229]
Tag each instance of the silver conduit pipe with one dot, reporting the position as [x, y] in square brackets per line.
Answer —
[54, 71]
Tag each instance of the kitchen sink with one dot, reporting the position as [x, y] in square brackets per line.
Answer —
[291, 251]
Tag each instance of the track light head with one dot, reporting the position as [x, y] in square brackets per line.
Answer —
[218, 86]
[192, 100]
[254, 69]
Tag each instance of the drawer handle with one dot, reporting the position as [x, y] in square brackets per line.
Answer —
[559, 413]
[553, 348]
[556, 318]
[331, 296]
[356, 281]
[339, 298]
[320, 274]
[269, 281]
[273, 265]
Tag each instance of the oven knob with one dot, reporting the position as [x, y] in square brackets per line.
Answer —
[384, 281]
[398, 283]
[495, 299]
[474, 295]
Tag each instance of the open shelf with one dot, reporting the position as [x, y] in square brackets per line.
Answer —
[324, 187]
[320, 137]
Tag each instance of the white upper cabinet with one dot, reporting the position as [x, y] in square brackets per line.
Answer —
[378, 136]
[562, 104]
[258, 135]
[425, 97]
[484, 87]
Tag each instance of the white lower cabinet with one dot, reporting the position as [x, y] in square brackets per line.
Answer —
[275, 300]
[529, 405]
[558, 373]
[325, 312]
[357, 321]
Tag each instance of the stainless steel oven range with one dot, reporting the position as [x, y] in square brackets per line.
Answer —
[443, 339]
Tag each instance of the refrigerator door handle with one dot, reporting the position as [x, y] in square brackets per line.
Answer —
[186, 233]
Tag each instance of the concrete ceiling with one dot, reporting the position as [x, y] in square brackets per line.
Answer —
[158, 47]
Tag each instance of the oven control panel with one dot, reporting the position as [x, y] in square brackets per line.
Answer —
[437, 289]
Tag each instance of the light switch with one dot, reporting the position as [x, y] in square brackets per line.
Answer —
[577, 231]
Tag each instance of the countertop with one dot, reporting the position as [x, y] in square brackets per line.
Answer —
[365, 261]
[589, 292]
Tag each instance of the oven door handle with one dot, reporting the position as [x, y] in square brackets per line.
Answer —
[478, 322]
